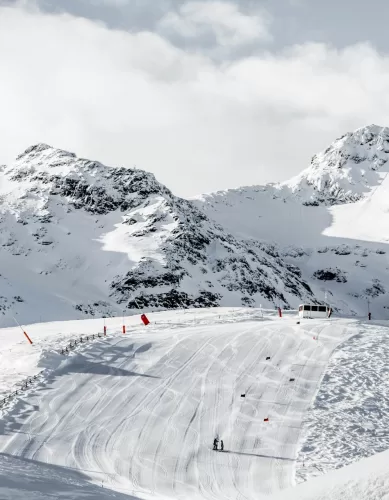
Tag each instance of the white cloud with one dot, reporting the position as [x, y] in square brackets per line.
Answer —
[230, 27]
[113, 3]
[128, 99]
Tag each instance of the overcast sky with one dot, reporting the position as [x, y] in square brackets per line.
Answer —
[206, 94]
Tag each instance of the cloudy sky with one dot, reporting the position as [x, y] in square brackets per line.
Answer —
[206, 94]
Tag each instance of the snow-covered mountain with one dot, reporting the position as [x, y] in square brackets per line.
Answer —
[78, 238]
[345, 172]
[331, 221]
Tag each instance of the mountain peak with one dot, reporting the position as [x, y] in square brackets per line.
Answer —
[43, 171]
[40, 146]
[372, 129]
[42, 149]
[347, 170]
[370, 135]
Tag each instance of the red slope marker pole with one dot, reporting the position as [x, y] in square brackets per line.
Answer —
[145, 319]
[24, 333]
[105, 328]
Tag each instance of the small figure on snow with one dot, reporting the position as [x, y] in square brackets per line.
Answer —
[221, 445]
[215, 441]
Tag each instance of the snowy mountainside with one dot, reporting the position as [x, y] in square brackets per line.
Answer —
[78, 238]
[331, 221]
[347, 170]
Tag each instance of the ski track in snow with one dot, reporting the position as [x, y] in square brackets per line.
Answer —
[350, 416]
[140, 412]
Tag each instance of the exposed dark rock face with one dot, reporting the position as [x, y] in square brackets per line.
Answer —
[330, 275]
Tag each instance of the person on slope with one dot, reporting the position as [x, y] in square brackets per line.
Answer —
[221, 445]
[215, 441]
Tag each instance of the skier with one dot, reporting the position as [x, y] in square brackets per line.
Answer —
[215, 441]
[221, 445]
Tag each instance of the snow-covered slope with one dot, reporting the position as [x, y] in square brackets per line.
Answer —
[364, 480]
[331, 221]
[22, 479]
[79, 238]
[139, 412]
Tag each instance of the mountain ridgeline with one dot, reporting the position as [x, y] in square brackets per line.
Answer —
[80, 239]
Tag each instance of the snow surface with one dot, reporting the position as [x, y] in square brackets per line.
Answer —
[22, 479]
[18, 359]
[365, 480]
[139, 411]
[349, 418]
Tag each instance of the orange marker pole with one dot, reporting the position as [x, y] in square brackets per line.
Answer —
[24, 333]
[27, 337]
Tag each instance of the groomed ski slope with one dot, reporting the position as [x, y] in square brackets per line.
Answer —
[138, 412]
